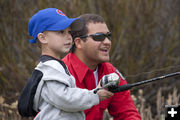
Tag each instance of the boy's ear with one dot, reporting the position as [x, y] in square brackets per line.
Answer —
[42, 38]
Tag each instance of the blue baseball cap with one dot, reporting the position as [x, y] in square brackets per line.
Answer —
[51, 19]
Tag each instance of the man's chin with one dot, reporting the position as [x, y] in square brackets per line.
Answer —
[106, 59]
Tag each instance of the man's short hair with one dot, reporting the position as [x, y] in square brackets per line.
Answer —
[87, 18]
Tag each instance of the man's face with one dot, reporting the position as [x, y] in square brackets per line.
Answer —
[96, 51]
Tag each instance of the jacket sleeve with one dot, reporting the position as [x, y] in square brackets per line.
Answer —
[67, 98]
[122, 107]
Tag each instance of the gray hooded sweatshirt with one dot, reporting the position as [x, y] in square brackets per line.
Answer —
[57, 97]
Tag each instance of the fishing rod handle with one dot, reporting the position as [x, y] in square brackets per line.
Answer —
[122, 88]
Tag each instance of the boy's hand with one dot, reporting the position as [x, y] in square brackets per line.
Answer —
[104, 94]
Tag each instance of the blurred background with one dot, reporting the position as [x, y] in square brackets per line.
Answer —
[146, 40]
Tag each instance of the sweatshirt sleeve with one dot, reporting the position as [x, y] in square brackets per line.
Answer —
[67, 98]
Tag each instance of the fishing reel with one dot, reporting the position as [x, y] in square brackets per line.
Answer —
[109, 82]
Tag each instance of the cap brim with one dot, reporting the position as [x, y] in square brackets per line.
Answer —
[75, 24]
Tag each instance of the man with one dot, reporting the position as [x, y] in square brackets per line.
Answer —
[88, 63]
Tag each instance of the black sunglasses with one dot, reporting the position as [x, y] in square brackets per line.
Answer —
[98, 36]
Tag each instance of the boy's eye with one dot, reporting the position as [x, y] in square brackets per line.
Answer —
[62, 31]
[69, 32]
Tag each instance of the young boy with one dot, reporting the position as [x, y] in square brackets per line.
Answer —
[53, 89]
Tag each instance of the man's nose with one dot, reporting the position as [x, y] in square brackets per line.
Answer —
[107, 41]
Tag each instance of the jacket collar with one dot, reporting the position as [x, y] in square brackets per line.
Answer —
[79, 67]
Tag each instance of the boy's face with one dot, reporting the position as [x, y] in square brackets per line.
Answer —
[96, 51]
[57, 42]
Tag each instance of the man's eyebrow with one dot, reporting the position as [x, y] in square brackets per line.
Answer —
[102, 32]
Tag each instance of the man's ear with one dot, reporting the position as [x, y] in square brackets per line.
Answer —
[78, 42]
[42, 38]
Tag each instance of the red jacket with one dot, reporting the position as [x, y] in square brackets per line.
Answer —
[120, 106]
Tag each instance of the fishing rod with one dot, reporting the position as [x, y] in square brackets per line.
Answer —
[111, 82]
[129, 86]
